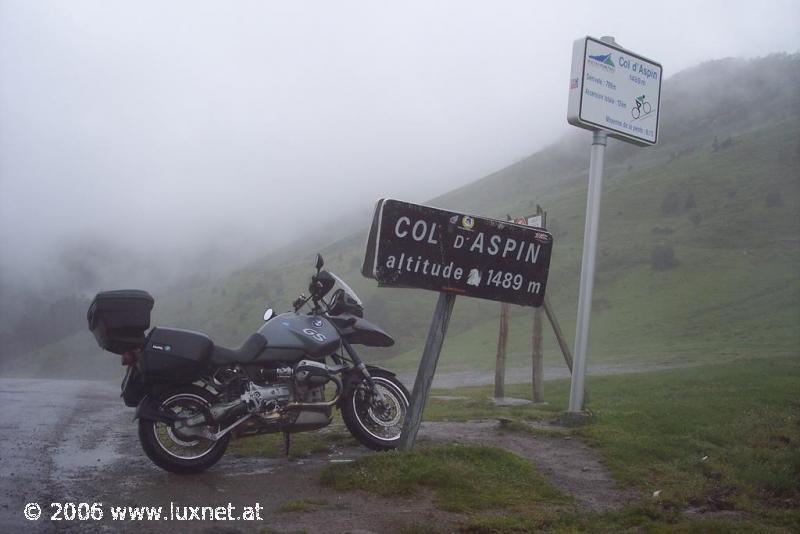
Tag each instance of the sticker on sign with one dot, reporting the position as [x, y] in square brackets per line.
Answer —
[615, 90]
[411, 245]
[535, 220]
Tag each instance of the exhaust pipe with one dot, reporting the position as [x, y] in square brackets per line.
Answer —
[217, 413]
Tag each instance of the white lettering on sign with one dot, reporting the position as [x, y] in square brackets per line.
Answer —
[417, 246]
[420, 231]
[415, 264]
[477, 245]
[397, 231]
[494, 245]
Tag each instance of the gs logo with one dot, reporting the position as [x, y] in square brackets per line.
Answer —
[314, 334]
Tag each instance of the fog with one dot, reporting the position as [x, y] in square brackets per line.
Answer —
[142, 143]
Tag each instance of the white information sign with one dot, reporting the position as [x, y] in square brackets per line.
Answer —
[613, 89]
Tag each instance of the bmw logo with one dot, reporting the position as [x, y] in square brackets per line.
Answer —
[317, 323]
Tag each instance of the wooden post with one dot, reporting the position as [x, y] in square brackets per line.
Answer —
[562, 341]
[537, 367]
[427, 367]
[537, 357]
[500, 365]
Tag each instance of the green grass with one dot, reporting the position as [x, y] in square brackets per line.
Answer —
[303, 444]
[302, 505]
[462, 478]
[652, 430]
[417, 528]
[478, 405]
[645, 518]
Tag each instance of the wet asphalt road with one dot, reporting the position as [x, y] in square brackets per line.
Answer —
[53, 433]
[67, 441]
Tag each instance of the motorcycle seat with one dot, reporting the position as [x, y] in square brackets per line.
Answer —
[244, 354]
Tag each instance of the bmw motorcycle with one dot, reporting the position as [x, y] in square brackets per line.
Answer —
[192, 396]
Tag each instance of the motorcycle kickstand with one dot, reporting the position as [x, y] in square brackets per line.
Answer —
[287, 442]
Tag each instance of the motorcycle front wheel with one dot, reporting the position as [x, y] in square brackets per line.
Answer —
[377, 425]
[168, 448]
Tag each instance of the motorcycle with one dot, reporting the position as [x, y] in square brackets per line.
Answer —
[192, 396]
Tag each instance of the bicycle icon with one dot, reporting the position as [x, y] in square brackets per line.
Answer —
[642, 106]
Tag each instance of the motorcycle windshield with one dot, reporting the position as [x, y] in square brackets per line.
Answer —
[347, 289]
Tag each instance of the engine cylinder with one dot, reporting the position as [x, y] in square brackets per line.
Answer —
[310, 372]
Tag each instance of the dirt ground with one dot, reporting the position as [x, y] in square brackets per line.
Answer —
[567, 462]
[74, 442]
[522, 375]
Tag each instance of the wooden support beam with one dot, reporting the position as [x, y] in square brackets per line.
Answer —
[562, 341]
[537, 354]
[537, 357]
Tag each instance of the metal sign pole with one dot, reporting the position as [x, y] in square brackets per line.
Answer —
[599, 140]
[427, 367]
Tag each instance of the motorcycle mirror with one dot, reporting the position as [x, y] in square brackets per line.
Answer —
[320, 262]
[269, 314]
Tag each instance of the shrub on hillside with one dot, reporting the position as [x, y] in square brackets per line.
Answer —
[599, 305]
[716, 146]
[690, 203]
[662, 231]
[774, 199]
[671, 203]
[663, 258]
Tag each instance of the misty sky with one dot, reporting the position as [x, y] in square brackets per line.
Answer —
[241, 124]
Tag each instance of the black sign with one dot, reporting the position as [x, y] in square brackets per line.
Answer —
[418, 246]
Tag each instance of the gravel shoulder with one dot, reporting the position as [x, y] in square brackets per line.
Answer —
[567, 462]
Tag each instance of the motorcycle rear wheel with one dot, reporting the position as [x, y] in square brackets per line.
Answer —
[374, 426]
[173, 452]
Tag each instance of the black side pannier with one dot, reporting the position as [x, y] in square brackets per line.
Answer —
[119, 319]
[175, 355]
[133, 387]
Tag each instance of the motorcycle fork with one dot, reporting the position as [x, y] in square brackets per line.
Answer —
[377, 395]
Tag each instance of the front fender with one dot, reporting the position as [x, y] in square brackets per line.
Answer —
[359, 331]
[371, 368]
[354, 373]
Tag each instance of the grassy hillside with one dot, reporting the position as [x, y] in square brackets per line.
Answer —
[698, 248]
[732, 288]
